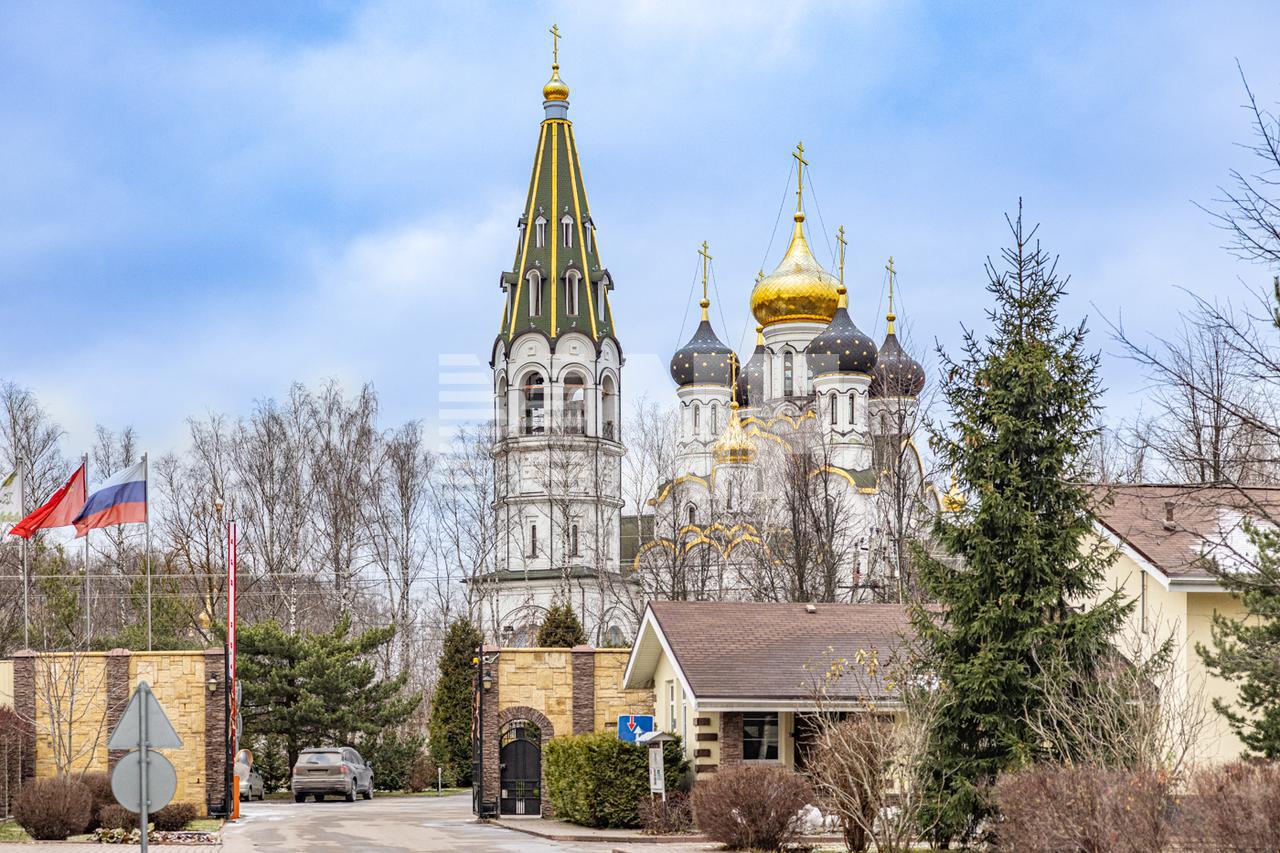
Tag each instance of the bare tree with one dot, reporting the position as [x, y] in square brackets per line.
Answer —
[71, 691]
[402, 528]
[462, 497]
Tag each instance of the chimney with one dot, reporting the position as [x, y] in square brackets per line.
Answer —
[1168, 516]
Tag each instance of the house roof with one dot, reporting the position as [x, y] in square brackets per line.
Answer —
[748, 653]
[1178, 530]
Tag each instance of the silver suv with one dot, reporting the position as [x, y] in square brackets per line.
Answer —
[331, 770]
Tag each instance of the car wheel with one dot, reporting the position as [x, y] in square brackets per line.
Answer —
[350, 796]
[297, 798]
[368, 792]
[319, 799]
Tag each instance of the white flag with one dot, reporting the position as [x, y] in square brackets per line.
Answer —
[11, 499]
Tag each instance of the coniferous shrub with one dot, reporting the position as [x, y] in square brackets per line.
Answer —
[450, 724]
[598, 780]
[561, 629]
[392, 756]
[1233, 808]
[52, 809]
[751, 806]
[175, 816]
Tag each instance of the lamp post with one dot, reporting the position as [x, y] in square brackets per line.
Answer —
[484, 680]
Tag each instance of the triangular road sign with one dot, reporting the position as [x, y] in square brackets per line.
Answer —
[128, 732]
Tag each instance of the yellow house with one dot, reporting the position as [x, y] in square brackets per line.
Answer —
[738, 680]
[1168, 537]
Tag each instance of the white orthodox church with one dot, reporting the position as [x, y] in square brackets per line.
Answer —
[725, 523]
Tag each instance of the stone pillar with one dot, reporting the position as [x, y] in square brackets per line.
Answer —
[24, 705]
[584, 689]
[730, 739]
[117, 698]
[215, 729]
[491, 727]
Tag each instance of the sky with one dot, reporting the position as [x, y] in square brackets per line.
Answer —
[201, 203]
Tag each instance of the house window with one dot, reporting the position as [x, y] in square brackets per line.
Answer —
[535, 293]
[671, 706]
[684, 719]
[566, 231]
[533, 540]
[760, 737]
[571, 292]
[540, 231]
[788, 374]
[573, 539]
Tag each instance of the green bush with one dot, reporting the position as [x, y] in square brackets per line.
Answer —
[598, 780]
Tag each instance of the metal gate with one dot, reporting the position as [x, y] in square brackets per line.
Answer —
[521, 763]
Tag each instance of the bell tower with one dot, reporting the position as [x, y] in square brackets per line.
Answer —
[557, 374]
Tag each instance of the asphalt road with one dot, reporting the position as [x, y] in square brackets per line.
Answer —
[380, 825]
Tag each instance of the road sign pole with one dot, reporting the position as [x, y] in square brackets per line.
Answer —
[142, 769]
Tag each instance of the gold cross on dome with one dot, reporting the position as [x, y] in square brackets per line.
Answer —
[706, 256]
[892, 275]
[555, 44]
[800, 164]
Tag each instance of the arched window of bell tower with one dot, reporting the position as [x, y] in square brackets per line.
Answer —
[573, 403]
[609, 395]
[535, 293]
[533, 405]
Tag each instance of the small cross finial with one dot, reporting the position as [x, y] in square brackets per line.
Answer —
[706, 258]
[843, 242]
[892, 275]
[555, 44]
[800, 164]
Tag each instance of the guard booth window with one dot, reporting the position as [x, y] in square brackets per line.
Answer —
[760, 737]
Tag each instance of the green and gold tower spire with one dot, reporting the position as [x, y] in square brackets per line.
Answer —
[558, 283]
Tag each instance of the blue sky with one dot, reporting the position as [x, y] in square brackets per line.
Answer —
[202, 202]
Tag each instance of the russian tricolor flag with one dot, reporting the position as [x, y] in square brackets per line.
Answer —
[120, 500]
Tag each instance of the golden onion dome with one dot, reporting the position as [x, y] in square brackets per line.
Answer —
[799, 289]
[556, 89]
[734, 446]
[954, 500]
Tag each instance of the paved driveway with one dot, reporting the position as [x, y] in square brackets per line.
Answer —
[380, 825]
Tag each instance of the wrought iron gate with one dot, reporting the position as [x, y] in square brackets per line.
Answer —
[521, 763]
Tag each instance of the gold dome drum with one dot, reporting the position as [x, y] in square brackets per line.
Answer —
[798, 290]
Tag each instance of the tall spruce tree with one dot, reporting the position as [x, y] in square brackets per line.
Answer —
[1022, 404]
[451, 703]
[1247, 650]
[560, 629]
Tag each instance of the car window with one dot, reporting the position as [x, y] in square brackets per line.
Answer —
[320, 758]
[359, 759]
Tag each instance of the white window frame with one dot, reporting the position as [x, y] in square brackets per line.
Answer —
[671, 705]
[540, 232]
[572, 281]
[777, 729]
[566, 230]
[535, 293]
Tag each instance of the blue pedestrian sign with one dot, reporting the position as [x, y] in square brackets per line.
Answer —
[631, 726]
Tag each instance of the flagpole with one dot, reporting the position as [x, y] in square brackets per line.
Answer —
[88, 609]
[146, 498]
[26, 568]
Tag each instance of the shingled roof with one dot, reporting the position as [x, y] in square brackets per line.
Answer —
[740, 653]
[1179, 530]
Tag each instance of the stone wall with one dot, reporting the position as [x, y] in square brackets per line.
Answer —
[76, 700]
[6, 684]
[564, 691]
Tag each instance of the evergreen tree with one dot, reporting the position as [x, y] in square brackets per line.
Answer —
[451, 703]
[318, 689]
[1247, 650]
[561, 629]
[1022, 403]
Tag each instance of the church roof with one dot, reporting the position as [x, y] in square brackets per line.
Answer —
[557, 197]
[841, 347]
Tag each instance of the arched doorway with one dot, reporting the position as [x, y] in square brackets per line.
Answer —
[520, 757]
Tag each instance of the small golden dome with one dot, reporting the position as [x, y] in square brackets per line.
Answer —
[954, 499]
[799, 289]
[734, 446]
[556, 89]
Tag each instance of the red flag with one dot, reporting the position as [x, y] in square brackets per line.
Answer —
[59, 511]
